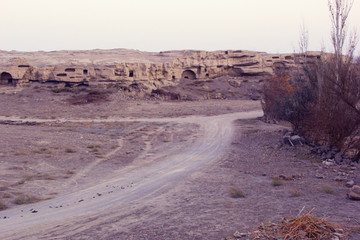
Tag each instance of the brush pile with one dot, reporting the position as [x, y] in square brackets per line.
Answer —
[306, 226]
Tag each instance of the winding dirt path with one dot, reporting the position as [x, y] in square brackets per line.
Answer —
[140, 182]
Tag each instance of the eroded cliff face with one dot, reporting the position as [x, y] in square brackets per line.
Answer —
[127, 67]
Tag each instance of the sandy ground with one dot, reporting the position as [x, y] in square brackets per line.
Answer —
[113, 173]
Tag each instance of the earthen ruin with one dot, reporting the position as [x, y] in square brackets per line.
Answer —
[127, 67]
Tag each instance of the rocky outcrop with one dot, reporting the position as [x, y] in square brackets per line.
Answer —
[126, 67]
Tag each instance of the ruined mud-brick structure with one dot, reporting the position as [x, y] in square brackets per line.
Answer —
[127, 67]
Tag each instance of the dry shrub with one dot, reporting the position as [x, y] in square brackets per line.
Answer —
[295, 193]
[327, 189]
[236, 193]
[275, 91]
[277, 181]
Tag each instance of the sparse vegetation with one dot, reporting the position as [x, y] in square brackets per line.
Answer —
[70, 172]
[295, 193]
[91, 96]
[94, 148]
[3, 187]
[42, 150]
[21, 153]
[29, 177]
[69, 150]
[321, 100]
[2, 205]
[26, 199]
[277, 181]
[20, 182]
[327, 189]
[236, 192]
[48, 177]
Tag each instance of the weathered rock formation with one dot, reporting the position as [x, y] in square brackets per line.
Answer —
[127, 67]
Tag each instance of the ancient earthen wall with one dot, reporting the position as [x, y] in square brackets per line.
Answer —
[160, 70]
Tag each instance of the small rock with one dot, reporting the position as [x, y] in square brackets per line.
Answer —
[350, 183]
[238, 234]
[296, 140]
[286, 139]
[338, 234]
[319, 176]
[339, 179]
[282, 176]
[339, 230]
[328, 162]
[230, 238]
[355, 193]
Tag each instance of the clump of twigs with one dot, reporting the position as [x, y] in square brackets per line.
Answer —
[306, 226]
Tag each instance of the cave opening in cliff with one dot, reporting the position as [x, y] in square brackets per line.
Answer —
[188, 74]
[6, 78]
[279, 68]
[131, 74]
[70, 70]
[85, 71]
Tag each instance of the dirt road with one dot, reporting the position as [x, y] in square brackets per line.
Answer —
[135, 185]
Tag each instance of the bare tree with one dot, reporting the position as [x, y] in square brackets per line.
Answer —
[339, 13]
[304, 41]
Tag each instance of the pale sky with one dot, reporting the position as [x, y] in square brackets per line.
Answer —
[157, 25]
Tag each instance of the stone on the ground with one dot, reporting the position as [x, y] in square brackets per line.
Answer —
[355, 193]
[296, 140]
[350, 183]
[238, 234]
[328, 162]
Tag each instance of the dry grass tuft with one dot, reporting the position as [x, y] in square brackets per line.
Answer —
[70, 172]
[295, 193]
[236, 193]
[277, 181]
[69, 150]
[327, 189]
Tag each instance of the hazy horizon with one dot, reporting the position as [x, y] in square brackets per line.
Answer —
[160, 25]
